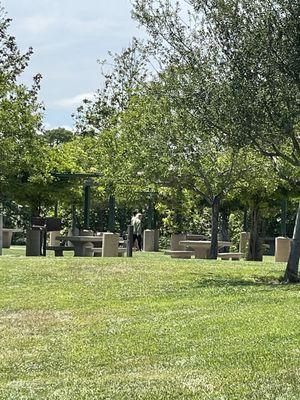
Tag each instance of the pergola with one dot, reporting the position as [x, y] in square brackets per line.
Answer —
[88, 184]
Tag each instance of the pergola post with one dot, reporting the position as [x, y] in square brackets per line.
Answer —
[283, 216]
[129, 240]
[245, 220]
[112, 214]
[87, 205]
[151, 215]
[73, 218]
[56, 210]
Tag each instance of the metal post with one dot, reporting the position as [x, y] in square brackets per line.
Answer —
[151, 216]
[1, 234]
[112, 214]
[87, 205]
[56, 210]
[129, 240]
[283, 216]
[245, 222]
[73, 219]
[44, 241]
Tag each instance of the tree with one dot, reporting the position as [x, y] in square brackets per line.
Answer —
[20, 111]
[167, 147]
[254, 53]
[260, 43]
[58, 136]
[258, 185]
[122, 77]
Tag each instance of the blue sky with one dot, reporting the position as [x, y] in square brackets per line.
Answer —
[68, 36]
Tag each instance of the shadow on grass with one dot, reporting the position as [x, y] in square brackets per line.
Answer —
[254, 281]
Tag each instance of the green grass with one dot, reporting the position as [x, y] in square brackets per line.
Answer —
[147, 328]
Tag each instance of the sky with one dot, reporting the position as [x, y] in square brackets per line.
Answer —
[68, 37]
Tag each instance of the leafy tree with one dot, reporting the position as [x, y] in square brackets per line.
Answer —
[259, 42]
[167, 147]
[58, 136]
[122, 76]
[258, 185]
[20, 112]
[253, 51]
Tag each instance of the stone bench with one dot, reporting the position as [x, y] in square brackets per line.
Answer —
[185, 254]
[232, 256]
[98, 251]
[59, 250]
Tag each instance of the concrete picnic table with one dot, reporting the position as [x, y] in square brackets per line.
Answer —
[80, 242]
[7, 236]
[202, 247]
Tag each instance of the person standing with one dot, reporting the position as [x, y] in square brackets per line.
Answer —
[137, 230]
[134, 214]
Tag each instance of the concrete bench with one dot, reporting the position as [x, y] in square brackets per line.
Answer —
[98, 251]
[185, 254]
[232, 256]
[59, 250]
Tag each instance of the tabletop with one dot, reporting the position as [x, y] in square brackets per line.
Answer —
[199, 243]
[80, 238]
[83, 238]
[13, 230]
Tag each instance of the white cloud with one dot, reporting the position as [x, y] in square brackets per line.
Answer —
[68, 36]
[37, 24]
[74, 101]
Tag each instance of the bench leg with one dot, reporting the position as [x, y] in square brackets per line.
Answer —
[201, 254]
[78, 249]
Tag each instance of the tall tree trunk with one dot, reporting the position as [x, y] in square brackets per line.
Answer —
[291, 273]
[215, 211]
[255, 252]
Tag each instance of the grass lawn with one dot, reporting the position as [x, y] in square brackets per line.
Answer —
[147, 328]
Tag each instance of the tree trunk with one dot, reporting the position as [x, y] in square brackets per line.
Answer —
[291, 273]
[215, 210]
[255, 252]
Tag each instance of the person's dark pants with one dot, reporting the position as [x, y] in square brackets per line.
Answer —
[138, 238]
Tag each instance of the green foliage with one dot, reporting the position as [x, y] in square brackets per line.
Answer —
[20, 116]
[122, 76]
[58, 136]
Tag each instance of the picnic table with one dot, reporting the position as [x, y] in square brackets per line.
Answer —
[202, 247]
[81, 242]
